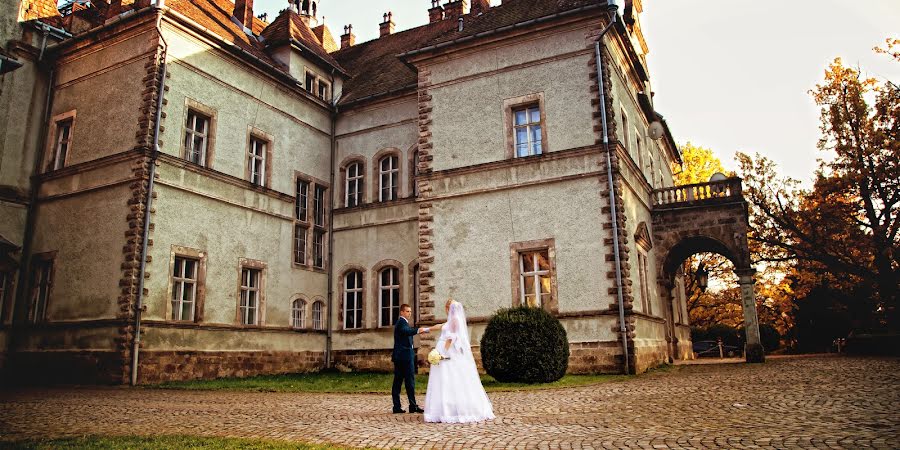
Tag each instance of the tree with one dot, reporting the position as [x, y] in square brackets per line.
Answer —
[845, 229]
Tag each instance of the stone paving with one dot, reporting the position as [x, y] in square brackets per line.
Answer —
[803, 402]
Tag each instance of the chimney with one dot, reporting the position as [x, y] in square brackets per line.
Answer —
[243, 12]
[455, 9]
[436, 13]
[480, 7]
[348, 39]
[387, 27]
[141, 4]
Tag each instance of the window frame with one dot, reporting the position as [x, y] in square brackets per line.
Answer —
[346, 179]
[393, 173]
[644, 281]
[178, 251]
[260, 318]
[255, 134]
[301, 235]
[52, 146]
[398, 286]
[211, 115]
[7, 289]
[318, 320]
[298, 323]
[179, 280]
[37, 312]
[518, 294]
[360, 291]
[510, 107]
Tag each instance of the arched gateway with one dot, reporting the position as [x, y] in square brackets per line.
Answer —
[707, 217]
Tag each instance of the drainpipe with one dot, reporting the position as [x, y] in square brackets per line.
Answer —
[330, 269]
[609, 178]
[139, 304]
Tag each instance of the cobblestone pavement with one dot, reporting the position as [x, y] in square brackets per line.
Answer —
[805, 402]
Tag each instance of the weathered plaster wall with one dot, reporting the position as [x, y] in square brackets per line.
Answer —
[243, 97]
[469, 91]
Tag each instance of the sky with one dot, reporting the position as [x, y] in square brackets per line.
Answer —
[730, 75]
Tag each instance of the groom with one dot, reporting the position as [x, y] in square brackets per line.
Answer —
[404, 359]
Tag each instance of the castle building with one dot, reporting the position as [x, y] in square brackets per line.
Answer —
[190, 191]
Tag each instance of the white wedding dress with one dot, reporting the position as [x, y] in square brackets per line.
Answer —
[455, 393]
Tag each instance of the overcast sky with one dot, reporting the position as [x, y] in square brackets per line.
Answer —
[732, 75]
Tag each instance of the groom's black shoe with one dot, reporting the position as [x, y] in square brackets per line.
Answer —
[416, 410]
[399, 411]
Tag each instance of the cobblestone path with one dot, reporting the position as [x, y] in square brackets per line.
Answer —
[803, 402]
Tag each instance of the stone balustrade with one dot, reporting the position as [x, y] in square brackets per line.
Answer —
[700, 192]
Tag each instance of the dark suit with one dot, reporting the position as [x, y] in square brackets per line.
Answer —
[404, 358]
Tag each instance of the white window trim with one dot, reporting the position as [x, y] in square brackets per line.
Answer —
[301, 236]
[393, 177]
[389, 291]
[192, 132]
[257, 153]
[179, 282]
[246, 291]
[535, 277]
[298, 314]
[358, 180]
[318, 315]
[529, 126]
[358, 293]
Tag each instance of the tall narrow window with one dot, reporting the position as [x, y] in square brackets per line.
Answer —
[353, 294]
[638, 148]
[389, 176]
[298, 314]
[43, 282]
[389, 296]
[184, 288]
[324, 90]
[257, 161]
[319, 249]
[415, 173]
[625, 141]
[318, 318]
[534, 278]
[196, 137]
[527, 132]
[250, 295]
[4, 289]
[300, 244]
[319, 205]
[63, 140]
[644, 280]
[301, 200]
[354, 185]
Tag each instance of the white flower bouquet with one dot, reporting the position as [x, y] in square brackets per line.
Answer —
[435, 358]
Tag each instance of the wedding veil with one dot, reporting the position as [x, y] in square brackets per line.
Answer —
[459, 330]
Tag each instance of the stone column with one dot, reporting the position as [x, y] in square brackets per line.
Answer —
[753, 349]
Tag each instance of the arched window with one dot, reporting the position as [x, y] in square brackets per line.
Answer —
[353, 295]
[353, 186]
[298, 314]
[388, 296]
[318, 318]
[389, 177]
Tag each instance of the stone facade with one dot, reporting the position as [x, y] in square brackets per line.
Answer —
[248, 169]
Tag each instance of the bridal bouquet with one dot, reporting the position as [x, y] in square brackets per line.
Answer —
[434, 357]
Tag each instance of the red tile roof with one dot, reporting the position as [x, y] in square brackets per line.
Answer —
[377, 70]
[42, 10]
[324, 34]
[289, 25]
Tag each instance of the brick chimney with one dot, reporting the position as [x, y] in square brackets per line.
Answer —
[387, 27]
[348, 39]
[480, 6]
[243, 12]
[141, 4]
[436, 13]
[455, 9]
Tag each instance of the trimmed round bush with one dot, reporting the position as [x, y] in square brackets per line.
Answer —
[525, 345]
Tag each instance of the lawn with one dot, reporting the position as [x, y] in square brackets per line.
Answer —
[157, 442]
[379, 383]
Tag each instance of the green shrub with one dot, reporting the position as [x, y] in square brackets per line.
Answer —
[525, 345]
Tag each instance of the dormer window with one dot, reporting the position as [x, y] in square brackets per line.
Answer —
[317, 86]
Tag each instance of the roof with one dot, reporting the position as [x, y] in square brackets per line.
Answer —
[290, 26]
[376, 66]
[41, 10]
[324, 34]
[215, 15]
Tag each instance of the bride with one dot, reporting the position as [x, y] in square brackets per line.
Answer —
[455, 393]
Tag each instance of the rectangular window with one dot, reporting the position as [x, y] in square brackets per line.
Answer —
[184, 288]
[324, 90]
[638, 148]
[317, 316]
[310, 83]
[353, 292]
[302, 200]
[527, 131]
[257, 161]
[625, 141]
[196, 137]
[319, 205]
[300, 244]
[318, 249]
[43, 282]
[534, 278]
[5, 283]
[389, 170]
[354, 185]
[63, 140]
[250, 295]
